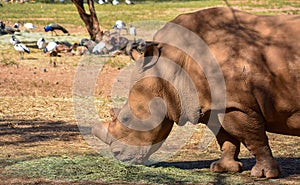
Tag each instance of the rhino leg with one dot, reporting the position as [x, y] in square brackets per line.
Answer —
[266, 165]
[251, 131]
[230, 150]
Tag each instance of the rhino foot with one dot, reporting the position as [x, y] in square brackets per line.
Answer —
[268, 170]
[225, 165]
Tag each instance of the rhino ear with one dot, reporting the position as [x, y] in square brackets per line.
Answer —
[135, 55]
[151, 55]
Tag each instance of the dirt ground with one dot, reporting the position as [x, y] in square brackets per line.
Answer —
[37, 120]
[36, 112]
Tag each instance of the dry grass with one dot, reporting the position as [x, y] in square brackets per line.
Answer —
[40, 140]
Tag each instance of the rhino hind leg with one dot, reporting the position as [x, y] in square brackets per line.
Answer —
[269, 168]
[230, 150]
[251, 132]
[266, 165]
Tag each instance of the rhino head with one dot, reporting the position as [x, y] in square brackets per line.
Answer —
[140, 127]
[168, 83]
[131, 145]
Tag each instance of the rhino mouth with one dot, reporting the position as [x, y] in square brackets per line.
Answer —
[129, 159]
[130, 154]
[122, 150]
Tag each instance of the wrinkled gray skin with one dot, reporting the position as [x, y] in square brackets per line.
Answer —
[259, 57]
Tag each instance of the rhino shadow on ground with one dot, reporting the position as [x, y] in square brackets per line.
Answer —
[290, 165]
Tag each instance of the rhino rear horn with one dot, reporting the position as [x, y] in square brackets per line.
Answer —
[114, 112]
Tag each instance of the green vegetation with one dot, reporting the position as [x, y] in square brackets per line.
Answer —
[90, 167]
[118, 62]
[66, 13]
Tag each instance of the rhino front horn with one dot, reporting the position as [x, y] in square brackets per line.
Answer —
[100, 130]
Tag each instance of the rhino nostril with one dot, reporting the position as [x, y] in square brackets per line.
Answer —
[116, 152]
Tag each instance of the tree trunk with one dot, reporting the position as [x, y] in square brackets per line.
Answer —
[90, 20]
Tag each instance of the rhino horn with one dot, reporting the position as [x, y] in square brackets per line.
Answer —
[100, 130]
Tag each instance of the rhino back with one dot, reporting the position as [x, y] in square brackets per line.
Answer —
[260, 59]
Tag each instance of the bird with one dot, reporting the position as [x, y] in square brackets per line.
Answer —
[128, 2]
[2, 28]
[41, 43]
[64, 47]
[29, 26]
[51, 47]
[115, 2]
[17, 25]
[53, 26]
[102, 1]
[55, 47]
[13, 40]
[21, 48]
[119, 26]
[132, 30]
[6, 29]
[2, 25]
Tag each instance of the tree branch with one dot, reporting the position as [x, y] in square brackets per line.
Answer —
[90, 20]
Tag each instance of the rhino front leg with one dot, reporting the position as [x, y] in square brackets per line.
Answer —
[230, 150]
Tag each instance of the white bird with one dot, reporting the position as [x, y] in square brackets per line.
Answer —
[119, 26]
[41, 43]
[22, 49]
[29, 26]
[17, 25]
[50, 47]
[115, 2]
[13, 40]
[129, 2]
[103, 1]
[132, 30]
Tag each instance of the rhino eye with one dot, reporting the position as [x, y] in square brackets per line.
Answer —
[125, 119]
